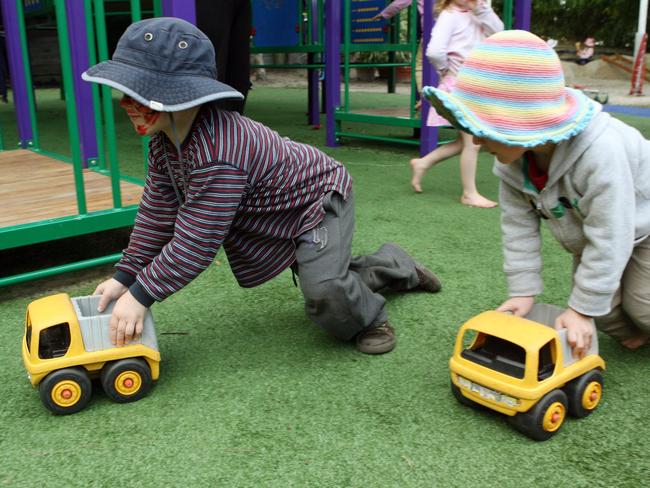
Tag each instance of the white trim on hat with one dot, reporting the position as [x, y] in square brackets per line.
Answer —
[158, 106]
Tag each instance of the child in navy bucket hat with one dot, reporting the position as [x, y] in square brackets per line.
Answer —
[216, 178]
[564, 162]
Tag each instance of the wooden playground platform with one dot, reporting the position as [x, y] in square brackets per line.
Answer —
[35, 187]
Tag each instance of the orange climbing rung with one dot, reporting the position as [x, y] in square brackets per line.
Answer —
[624, 63]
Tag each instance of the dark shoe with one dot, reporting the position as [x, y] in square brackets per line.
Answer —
[428, 281]
[377, 340]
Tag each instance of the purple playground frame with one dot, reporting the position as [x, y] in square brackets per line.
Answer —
[17, 72]
[182, 9]
[80, 62]
[332, 66]
[312, 76]
[83, 91]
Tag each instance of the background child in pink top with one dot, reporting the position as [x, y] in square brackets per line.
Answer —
[396, 6]
[391, 10]
[460, 25]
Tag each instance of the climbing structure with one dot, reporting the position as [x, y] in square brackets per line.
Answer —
[46, 196]
[340, 43]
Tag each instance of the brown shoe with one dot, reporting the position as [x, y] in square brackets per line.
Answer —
[428, 281]
[377, 340]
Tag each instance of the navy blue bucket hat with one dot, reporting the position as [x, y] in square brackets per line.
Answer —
[166, 64]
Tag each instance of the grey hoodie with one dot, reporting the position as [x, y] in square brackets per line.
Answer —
[596, 203]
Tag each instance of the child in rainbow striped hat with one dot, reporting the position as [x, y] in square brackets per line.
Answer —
[563, 161]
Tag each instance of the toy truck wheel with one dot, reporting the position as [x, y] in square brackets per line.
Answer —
[543, 420]
[126, 380]
[65, 391]
[584, 393]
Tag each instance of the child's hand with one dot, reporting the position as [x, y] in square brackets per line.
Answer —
[127, 320]
[110, 290]
[579, 328]
[519, 306]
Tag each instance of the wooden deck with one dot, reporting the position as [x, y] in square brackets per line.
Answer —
[34, 187]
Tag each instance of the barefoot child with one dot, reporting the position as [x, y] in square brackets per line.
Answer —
[391, 10]
[564, 162]
[459, 26]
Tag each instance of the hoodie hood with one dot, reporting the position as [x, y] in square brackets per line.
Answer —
[565, 155]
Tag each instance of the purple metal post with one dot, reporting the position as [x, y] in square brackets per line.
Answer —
[312, 73]
[17, 72]
[82, 90]
[428, 135]
[332, 66]
[183, 9]
[523, 14]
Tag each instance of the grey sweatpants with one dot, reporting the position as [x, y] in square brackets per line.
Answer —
[340, 290]
[630, 313]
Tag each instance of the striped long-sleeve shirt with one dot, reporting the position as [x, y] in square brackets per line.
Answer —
[244, 187]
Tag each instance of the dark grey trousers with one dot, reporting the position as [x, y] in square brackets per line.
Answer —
[340, 290]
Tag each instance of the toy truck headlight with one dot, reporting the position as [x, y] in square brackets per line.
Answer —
[508, 400]
[488, 393]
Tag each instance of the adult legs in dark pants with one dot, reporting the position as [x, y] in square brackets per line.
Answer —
[228, 23]
[341, 291]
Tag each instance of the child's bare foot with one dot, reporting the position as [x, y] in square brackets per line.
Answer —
[477, 200]
[633, 343]
[418, 168]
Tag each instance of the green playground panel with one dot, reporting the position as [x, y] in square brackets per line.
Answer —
[397, 43]
[84, 222]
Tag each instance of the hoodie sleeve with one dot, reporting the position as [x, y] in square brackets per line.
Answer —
[522, 243]
[607, 205]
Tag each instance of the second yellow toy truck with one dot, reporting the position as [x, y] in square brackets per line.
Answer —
[524, 369]
[66, 344]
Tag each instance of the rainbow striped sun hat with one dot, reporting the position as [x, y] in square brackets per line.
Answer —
[511, 90]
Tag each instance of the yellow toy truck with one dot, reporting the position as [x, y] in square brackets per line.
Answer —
[523, 368]
[66, 344]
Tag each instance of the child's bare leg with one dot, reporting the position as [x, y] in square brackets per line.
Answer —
[419, 166]
[468, 161]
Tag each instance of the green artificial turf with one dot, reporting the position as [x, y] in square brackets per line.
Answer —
[251, 394]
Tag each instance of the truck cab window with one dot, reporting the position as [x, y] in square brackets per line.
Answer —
[28, 336]
[546, 362]
[54, 341]
[497, 354]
